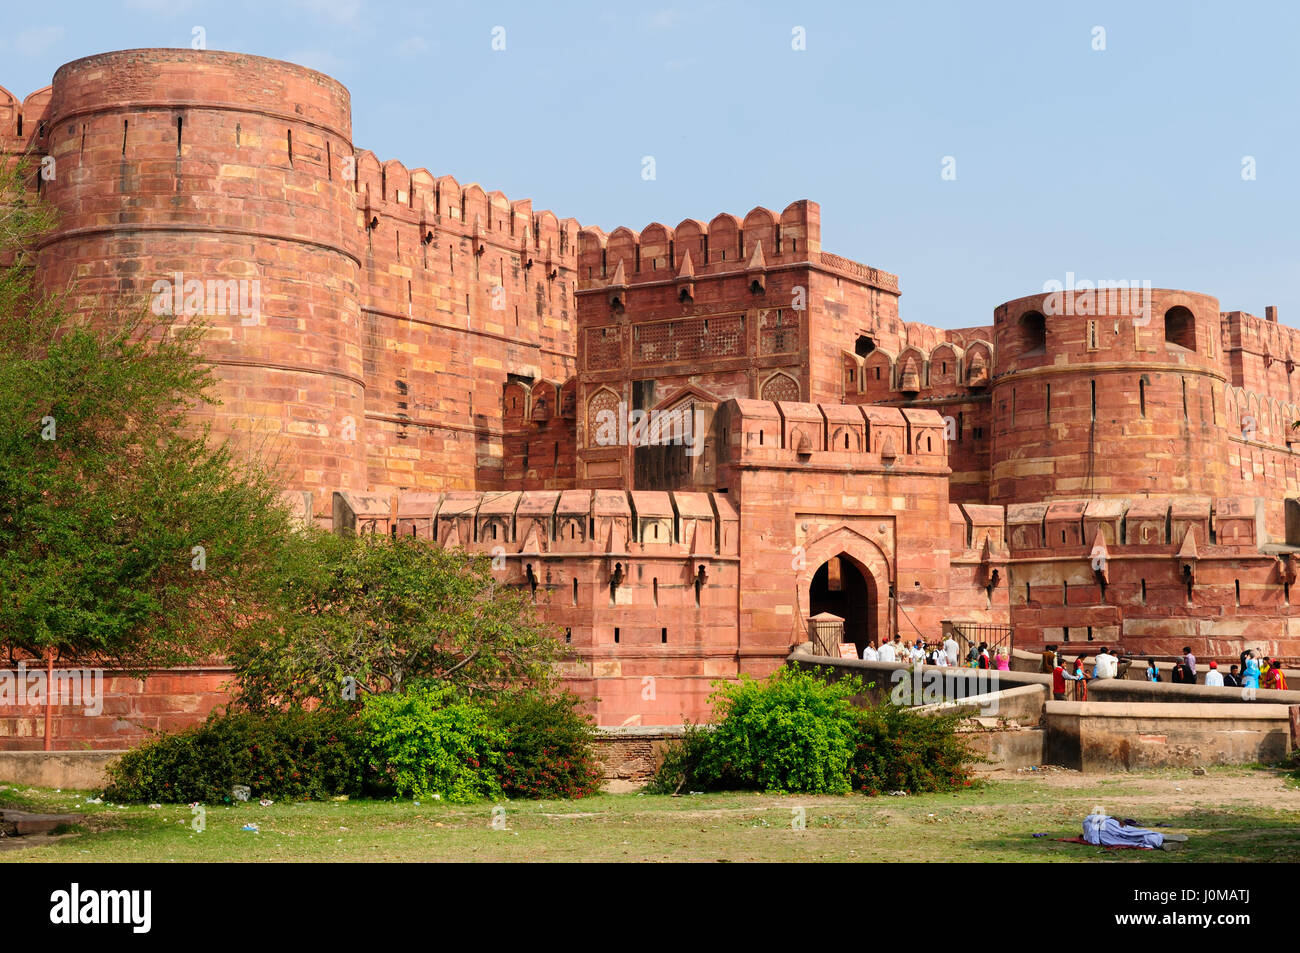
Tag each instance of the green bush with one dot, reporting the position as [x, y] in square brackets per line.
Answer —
[680, 768]
[901, 750]
[430, 742]
[548, 746]
[793, 732]
[796, 732]
[282, 756]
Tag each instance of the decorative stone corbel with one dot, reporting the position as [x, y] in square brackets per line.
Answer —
[756, 270]
[1187, 556]
[686, 279]
[1287, 568]
[617, 288]
[1100, 556]
[987, 574]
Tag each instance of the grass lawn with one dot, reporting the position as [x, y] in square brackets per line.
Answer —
[1229, 814]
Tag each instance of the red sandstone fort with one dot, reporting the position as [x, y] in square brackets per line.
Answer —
[688, 440]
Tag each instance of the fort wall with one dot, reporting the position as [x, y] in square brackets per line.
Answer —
[430, 358]
[181, 167]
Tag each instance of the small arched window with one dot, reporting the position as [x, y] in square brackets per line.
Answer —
[1180, 328]
[1033, 330]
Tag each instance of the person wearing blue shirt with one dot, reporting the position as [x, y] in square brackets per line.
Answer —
[1250, 678]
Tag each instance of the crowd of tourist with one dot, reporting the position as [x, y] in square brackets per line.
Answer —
[946, 653]
[1062, 670]
[1071, 676]
[1255, 671]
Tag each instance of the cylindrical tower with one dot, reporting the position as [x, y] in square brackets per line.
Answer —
[222, 184]
[1106, 393]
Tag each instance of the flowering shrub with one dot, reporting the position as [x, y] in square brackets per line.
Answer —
[548, 751]
[901, 750]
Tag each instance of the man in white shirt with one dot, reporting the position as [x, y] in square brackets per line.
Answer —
[1214, 676]
[869, 654]
[951, 649]
[887, 653]
[917, 652]
[1105, 664]
[941, 658]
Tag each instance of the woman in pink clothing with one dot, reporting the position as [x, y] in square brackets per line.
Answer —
[1004, 663]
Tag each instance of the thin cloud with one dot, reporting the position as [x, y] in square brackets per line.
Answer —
[663, 19]
[320, 60]
[413, 46]
[37, 40]
[160, 7]
[338, 11]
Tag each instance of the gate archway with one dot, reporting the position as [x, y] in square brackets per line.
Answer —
[840, 587]
[867, 618]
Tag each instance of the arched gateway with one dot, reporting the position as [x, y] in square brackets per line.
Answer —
[849, 577]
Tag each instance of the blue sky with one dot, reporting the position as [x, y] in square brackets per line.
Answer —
[1122, 163]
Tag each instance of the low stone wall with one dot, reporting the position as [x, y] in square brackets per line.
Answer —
[634, 753]
[75, 770]
[972, 681]
[1022, 661]
[1007, 749]
[1125, 690]
[1022, 706]
[1101, 737]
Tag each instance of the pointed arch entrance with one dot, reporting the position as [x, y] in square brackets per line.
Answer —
[840, 587]
[864, 594]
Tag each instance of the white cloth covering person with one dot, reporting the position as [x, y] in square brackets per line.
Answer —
[887, 653]
[1105, 831]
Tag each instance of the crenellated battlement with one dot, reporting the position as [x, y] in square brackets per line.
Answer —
[727, 244]
[599, 523]
[946, 369]
[23, 123]
[432, 204]
[859, 435]
[1100, 529]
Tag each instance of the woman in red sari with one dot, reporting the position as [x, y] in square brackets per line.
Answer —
[1080, 681]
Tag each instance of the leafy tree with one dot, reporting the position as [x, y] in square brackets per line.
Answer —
[368, 614]
[126, 533]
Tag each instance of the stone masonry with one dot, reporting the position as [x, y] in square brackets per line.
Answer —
[686, 441]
